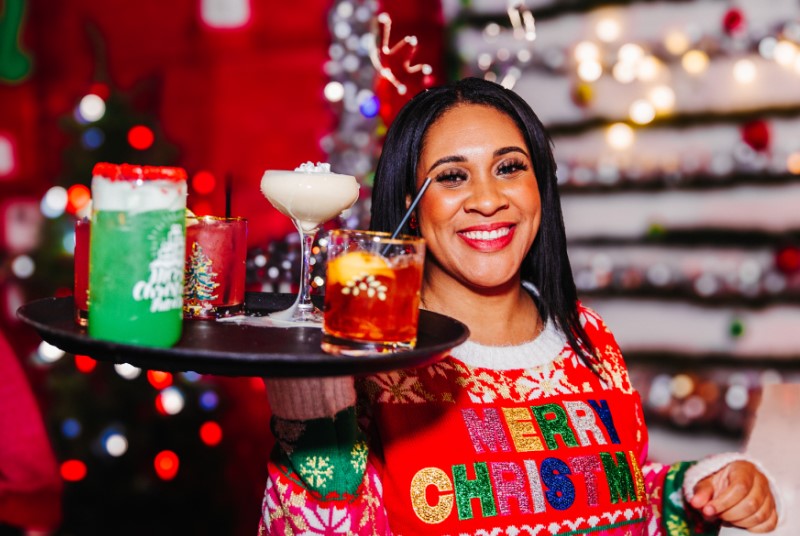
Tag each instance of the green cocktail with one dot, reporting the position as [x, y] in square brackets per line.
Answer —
[136, 256]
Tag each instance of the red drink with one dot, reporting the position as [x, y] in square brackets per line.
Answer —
[81, 281]
[216, 255]
[372, 292]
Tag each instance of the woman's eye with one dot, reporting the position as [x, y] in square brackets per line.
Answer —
[451, 177]
[510, 167]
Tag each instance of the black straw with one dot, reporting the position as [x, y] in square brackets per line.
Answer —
[228, 189]
[408, 213]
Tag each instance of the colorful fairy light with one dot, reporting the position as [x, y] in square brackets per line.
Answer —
[116, 444]
[166, 464]
[172, 400]
[84, 363]
[22, 266]
[204, 182]
[78, 196]
[159, 379]
[91, 108]
[209, 400]
[127, 371]
[71, 428]
[210, 433]
[49, 353]
[383, 25]
[73, 470]
[140, 137]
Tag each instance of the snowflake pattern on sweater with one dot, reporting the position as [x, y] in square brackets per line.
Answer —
[556, 449]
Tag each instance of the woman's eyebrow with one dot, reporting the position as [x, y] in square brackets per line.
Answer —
[510, 149]
[447, 160]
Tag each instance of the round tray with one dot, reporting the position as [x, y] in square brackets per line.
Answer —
[230, 349]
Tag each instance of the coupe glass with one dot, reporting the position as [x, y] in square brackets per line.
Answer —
[310, 195]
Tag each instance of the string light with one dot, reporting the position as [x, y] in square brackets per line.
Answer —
[84, 363]
[695, 62]
[209, 400]
[334, 91]
[619, 136]
[676, 42]
[210, 433]
[71, 428]
[383, 24]
[127, 371]
[522, 20]
[590, 70]
[784, 53]
[116, 445]
[49, 353]
[78, 196]
[744, 71]
[166, 464]
[608, 29]
[204, 182]
[663, 98]
[171, 400]
[642, 112]
[73, 470]
[140, 137]
[23, 266]
[159, 379]
[586, 51]
[54, 202]
[91, 108]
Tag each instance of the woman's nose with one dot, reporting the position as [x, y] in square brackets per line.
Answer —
[486, 197]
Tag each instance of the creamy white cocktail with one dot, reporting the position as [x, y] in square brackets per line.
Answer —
[310, 195]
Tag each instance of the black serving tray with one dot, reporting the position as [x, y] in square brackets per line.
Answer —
[230, 349]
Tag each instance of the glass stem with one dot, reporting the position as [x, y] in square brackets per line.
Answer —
[304, 303]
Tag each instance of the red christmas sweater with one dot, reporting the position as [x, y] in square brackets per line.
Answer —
[458, 449]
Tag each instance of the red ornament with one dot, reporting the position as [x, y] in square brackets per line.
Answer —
[734, 22]
[756, 134]
[787, 260]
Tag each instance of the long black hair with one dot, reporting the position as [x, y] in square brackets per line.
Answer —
[546, 264]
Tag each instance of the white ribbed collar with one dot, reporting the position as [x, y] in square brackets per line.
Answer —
[542, 350]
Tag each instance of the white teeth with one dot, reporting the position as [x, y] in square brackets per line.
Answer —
[487, 235]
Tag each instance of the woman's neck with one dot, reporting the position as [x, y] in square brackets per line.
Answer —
[497, 316]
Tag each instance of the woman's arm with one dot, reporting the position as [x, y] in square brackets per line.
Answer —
[319, 474]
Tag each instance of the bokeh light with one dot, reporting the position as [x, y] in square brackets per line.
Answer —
[695, 62]
[211, 433]
[91, 108]
[49, 353]
[73, 470]
[140, 137]
[204, 182]
[159, 379]
[54, 202]
[84, 363]
[127, 371]
[166, 464]
[620, 136]
[78, 196]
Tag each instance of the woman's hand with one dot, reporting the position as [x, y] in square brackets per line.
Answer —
[739, 495]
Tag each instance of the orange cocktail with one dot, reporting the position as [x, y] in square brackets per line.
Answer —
[372, 292]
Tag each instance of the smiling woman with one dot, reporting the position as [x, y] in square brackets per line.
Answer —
[532, 425]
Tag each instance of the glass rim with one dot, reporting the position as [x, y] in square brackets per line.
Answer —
[385, 238]
[223, 219]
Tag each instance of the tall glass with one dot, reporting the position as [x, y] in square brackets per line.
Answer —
[310, 195]
[216, 262]
[136, 254]
[372, 292]
[81, 280]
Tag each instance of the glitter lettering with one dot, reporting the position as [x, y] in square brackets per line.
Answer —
[426, 512]
[523, 433]
[583, 420]
[487, 431]
[618, 475]
[587, 466]
[556, 426]
[603, 411]
[509, 488]
[480, 488]
[560, 489]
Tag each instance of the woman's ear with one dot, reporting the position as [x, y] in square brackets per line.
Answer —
[408, 201]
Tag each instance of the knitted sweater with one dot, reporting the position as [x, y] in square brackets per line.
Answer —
[489, 441]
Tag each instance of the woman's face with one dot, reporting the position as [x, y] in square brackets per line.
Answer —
[481, 213]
